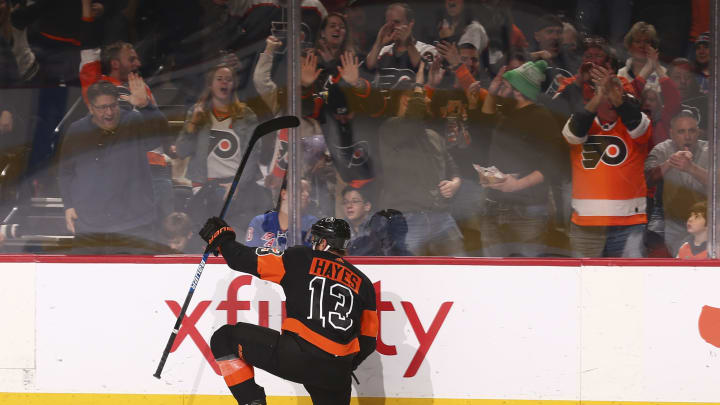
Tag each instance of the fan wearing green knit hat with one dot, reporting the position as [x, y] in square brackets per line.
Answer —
[528, 78]
[525, 145]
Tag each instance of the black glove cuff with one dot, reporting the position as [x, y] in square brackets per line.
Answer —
[221, 234]
[215, 232]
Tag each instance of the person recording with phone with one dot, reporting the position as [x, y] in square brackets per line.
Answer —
[396, 52]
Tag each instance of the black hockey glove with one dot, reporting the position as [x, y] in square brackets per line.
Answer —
[215, 232]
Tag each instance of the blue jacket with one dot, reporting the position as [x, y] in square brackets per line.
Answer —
[264, 231]
[105, 175]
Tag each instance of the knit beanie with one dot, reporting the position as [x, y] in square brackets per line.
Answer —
[528, 78]
[547, 20]
[474, 35]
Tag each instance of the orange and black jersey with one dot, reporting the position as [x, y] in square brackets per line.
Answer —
[329, 302]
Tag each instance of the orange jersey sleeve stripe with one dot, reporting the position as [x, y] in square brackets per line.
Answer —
[235, 371]
[338, 349]
[271, 268]
[369, 323]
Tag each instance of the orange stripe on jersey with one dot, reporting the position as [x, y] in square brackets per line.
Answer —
[336, 272]
[271, 268]
[62, 39]
[369, 323]
[332, 347]
[156, 159]
[608, 181]
[359, 183]
[608, 221]
[235, 371]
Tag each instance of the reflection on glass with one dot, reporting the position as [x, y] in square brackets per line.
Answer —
[495, 129]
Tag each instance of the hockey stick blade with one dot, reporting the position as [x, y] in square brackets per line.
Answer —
[275, 124]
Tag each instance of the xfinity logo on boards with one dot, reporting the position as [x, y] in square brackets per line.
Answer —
[425, 336]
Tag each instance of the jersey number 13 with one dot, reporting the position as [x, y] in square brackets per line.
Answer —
[330, 302]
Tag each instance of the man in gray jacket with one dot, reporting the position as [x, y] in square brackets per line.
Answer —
[681, 164]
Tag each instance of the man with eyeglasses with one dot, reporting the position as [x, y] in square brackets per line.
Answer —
[114, 63]
[104, 177]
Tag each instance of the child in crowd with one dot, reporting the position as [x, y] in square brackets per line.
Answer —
[176, 231]
[270, 229]
[357, 211]
[696, 245]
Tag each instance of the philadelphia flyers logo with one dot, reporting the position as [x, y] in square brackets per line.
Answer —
[611, 150]
[356, 154]
[223, 144]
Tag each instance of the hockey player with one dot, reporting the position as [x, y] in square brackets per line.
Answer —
[331, 324]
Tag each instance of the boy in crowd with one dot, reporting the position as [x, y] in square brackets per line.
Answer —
[357, 211]
[695, 247]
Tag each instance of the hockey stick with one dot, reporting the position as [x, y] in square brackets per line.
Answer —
[265, 128]
[67, 114]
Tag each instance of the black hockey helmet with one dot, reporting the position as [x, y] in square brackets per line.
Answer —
[335, 231]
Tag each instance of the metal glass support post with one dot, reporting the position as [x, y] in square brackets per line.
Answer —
[713, 135]
[294, 95]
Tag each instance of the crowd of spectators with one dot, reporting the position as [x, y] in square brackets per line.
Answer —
[484, 128]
